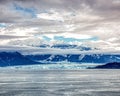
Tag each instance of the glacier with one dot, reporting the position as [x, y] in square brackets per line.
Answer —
[62, 66]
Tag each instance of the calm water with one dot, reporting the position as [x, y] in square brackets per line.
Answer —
[59, 82]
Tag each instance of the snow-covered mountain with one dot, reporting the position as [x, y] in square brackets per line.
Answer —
[77, 58]
[13, 59]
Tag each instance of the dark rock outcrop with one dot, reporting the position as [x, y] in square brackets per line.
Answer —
[114, 65]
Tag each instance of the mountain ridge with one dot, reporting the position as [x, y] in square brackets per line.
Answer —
[14, 59]
[77, 58]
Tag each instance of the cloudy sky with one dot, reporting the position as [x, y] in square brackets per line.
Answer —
[93, 23]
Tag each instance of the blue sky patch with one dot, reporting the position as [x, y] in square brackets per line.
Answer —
[93, 39]
[31, 11]
[2, 25]
[61, 38]
[46, 38]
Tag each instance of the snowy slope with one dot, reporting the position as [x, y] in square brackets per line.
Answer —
[77, 58]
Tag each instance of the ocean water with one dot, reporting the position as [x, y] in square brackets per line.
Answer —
[85, 82]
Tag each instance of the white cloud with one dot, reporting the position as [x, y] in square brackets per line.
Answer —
[79, 19]
[112, 39]
[69, 35]
[52, 15]
[76, 36]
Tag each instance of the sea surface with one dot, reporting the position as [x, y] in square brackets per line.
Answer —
[84, 82]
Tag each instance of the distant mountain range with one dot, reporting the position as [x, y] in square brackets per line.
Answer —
[113, 65]
[76, 58]
[67, 46]
[13, 59]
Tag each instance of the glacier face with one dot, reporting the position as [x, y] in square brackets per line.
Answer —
[62, 66]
